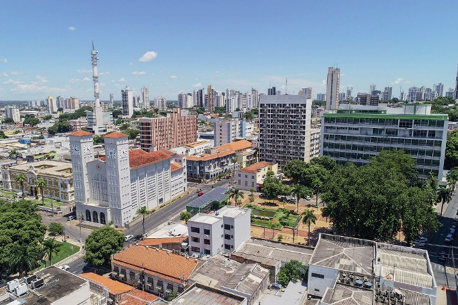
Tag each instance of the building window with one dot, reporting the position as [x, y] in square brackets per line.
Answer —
[196, 239]
[227, 247]
[206, 241]
[195, 249]
[320, 276]
[206, 231]
[195, 230]
[227, 227]
[227, 236]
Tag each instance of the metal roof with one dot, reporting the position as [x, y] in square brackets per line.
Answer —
[216, 194]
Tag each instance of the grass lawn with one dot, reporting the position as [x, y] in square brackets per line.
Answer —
[66, 250]
[277, 214]
[9, 195]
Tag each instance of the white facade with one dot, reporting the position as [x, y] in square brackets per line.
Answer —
[115, 187]
[145, 98]
[315, 142]
[51, 104]
[224, 231]
[160, 103]
[332, 88]
[127, 102]
[13, 113]
[227, 131]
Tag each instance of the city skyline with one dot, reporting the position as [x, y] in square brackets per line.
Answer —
[165, 54]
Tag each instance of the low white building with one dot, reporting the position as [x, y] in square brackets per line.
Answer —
[223, 231]
[315, 142]
[192, 149]
[115, 186]
[253, 176]
[227, 131]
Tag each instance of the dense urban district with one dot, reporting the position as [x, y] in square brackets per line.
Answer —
[231, 197]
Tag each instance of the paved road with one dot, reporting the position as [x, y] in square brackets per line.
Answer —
[444, 273]
[154, 220]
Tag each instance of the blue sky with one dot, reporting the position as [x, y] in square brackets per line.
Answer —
[45, 45]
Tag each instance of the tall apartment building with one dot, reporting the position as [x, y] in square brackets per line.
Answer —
[51, 104]
[60, 102]
[177, 129]
[285, 124]
[12, 112]
[227, 131]
[111, 104]
[307, 92]
[160, 103]
[211, 99]
[367, 99]
[127, 102]
[357, 133]
[73, 103]
[456, 85]
[222, 232]
[439, 89]
[145, 98]
[272, 91]
[332, 88]
[315, 142]
[387, 93]
[113, 187]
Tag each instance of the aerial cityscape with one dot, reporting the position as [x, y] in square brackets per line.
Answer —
[239, 153]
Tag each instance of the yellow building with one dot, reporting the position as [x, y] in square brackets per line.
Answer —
[58, 177]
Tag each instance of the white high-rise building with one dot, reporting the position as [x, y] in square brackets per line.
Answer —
[332, 89]
[115, 186]
[51, 104]
[439, 89]
[145, 98]
[127, 102]
[456, 85]
[285, 126]
[160, 103]
[307, 92]
[60, 102]
[182, 100]
[111, 105]
[12, 112]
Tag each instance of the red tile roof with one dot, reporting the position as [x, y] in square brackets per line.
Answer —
[80, 133]
[175, 167]
[138, 157]
[254, 168]
[116, 134]
[137, 297]
[168, 152]
[159, 241]
[103, 158]
[114, 287]
[237, 145]
[160, 263]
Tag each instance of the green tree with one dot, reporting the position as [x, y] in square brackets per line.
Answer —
[47, 117]
[272, 187]
[248, 116]
[236, 194]
[172, 295]
[21, 179]
[41, 183]
[24, 258]
[451, 150]
[8, 121]
[132, 133]
[444, 195]
[292, 271]
[308, 219]
[299, 191]
[13, 154]
[101, 244]
[116, 113]
[30, 120]
[124, 126]
[185, 215]
[143, 211]
[3, 135]
[294, 169]
[55, 228]
[119, 121]
[452, 178]
[51, 246]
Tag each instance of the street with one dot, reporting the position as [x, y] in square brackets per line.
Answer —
[154, 220]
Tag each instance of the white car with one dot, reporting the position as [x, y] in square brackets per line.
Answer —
[129, 237]
[448, 238]
[65, 267]
[452, 231]
[308, 198]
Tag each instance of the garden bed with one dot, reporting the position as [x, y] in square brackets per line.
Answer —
[272, 218]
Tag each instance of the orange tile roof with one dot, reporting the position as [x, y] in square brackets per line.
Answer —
[159, 241]
[237, 145]
[138, 157]
[114, 287]
[80, 133]
[116, 134]
[207, 157]
[168, 152]
[102, 158]
[174, 166]
[137, 297]
[254, 168]
[160, 263]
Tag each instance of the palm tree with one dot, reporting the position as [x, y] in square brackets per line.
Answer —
[308, 219]
[41, 183]
[24, 258]
[144, 212]
[452, 178]
[316, 184]
[444, 195]
[21, 179]
[236, 194]
[51, 246]
[13, 154]
[298, 191]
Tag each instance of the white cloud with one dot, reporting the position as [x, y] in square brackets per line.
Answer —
[4, 74]
[131, 64]
[41, 79]
[33, 88]
[173, 76]
[397, 81]
[148, 56]
[71, 28]
[78, 80]
[122, 80]
[407, 82]
[199, 84]
[4, 60]
[102, 84]
[11, 81]
[104, 73]
[84, 71]
[138, 73]
[16, 73]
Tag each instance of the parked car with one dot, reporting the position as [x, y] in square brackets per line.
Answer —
[283, 198]
[423, 239]
[200, 194]
[452, 231]
[262, 195]
[71, 217]
[449, 238]
[308, 198]
[129, 237]
[65, 267]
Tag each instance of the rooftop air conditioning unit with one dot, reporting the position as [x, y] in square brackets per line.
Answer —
[11, 285]
[21, 289]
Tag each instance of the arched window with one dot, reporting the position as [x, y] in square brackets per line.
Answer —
[88, 215]
[102, 218]
[95, 217]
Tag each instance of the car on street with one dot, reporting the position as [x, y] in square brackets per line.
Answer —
[262, 195]
[129, 237]
[452, 231]
[200, 194]
[423, 239]
[65, 267]
[308, 198]
[71, 217]
[283, 198]
[449, 238]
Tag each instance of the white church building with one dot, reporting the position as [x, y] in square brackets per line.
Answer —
[115, 186]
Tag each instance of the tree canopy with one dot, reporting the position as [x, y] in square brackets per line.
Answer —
[292, 271]
[101, 244]
[21, 231]
[379, 199]
[451, 150]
